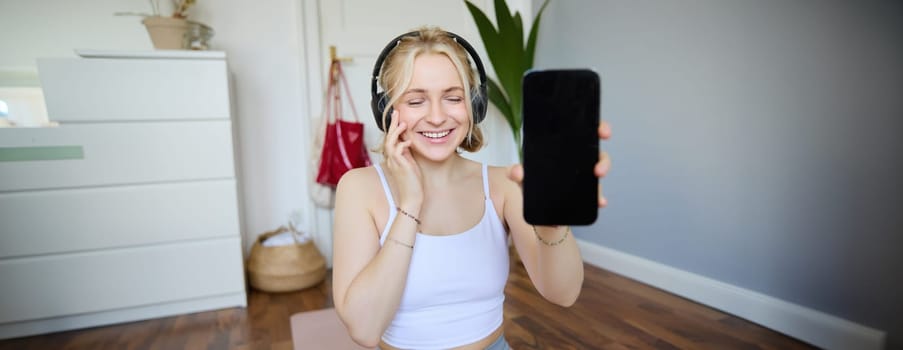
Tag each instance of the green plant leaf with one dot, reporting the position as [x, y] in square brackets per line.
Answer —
[509, 71]
[524, 57]
[492, 41]
[510, 58]
[499, 55]
[531, 41]
[519, 25]
[500, 102]
[503, 18]
[487, 30]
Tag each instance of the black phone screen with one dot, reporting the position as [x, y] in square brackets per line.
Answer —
[561, 146]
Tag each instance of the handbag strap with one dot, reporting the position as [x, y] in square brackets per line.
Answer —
[334, 108]
[332, 99]
[340, 74]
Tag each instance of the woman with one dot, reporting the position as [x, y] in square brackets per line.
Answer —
[420, 246]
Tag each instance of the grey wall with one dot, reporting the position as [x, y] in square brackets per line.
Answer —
[755, 142]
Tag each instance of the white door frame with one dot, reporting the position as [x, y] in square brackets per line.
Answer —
[319, 219]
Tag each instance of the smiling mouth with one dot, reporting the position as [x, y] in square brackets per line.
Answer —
[435, 135]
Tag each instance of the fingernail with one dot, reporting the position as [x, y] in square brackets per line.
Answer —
[601, 169]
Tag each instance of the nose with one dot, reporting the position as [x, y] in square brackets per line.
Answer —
[437, 114]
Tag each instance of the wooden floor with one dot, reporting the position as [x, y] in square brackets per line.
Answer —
[613, 312]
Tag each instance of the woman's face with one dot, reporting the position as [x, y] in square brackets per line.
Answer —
[434, 108]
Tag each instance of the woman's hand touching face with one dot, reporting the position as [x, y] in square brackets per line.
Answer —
[405, 174]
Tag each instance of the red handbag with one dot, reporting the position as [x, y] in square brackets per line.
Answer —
[343, 144]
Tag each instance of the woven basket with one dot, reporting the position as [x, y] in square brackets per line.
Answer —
[284, 268]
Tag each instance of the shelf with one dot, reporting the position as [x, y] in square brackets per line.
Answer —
[152, 54]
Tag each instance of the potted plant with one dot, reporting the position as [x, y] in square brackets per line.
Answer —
[168, 32]
[511, 57]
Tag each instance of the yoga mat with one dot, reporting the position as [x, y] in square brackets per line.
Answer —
[321, 329]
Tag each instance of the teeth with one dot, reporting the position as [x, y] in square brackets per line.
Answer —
[435, 135]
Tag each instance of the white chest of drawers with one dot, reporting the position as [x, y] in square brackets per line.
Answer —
[129, 209]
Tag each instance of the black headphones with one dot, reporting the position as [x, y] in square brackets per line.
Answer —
[379, 100]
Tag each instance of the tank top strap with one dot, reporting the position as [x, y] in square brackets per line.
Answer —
[485, 181]
[392, 213]
[382, 179]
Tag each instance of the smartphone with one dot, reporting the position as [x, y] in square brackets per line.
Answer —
[561, 146]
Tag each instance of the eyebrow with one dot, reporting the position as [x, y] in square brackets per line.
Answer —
[423, 91]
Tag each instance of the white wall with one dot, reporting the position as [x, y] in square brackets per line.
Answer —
[52, 28]
[264, 44]
[263, 47]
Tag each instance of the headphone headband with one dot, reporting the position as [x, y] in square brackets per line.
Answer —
[379, 100]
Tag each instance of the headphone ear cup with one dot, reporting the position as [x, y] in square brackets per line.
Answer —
[378, 105]
[478, 104]
[388, 118]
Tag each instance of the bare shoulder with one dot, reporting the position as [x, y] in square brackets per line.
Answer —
[499, 181]
[359, 200]
[504, 191]
[360, 184]
[358, 177]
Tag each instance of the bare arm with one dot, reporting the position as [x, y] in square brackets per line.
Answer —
[368, 282]
[550, 254]
[556, 271]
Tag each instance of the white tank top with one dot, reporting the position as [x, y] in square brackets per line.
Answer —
[456, 283]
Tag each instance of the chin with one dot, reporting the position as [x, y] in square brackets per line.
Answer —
[438, 152]
[437, 155]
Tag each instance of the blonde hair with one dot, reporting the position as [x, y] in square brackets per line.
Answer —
[398, 71]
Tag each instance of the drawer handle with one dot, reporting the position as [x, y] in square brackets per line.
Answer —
[20, 154]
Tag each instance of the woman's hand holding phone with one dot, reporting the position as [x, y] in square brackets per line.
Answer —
[516, 172]
[403, 169]
[601, 168]
[562, 158]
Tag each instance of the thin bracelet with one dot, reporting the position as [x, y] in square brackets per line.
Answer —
[408, 215]
[552, 244]
[400, 242]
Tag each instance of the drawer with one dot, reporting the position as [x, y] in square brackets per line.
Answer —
[134, 89]
[79, 155]
[54, 221]
[69, 284]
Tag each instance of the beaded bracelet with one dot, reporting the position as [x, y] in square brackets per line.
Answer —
[552, 244]
[408, 215]
[401, 243]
